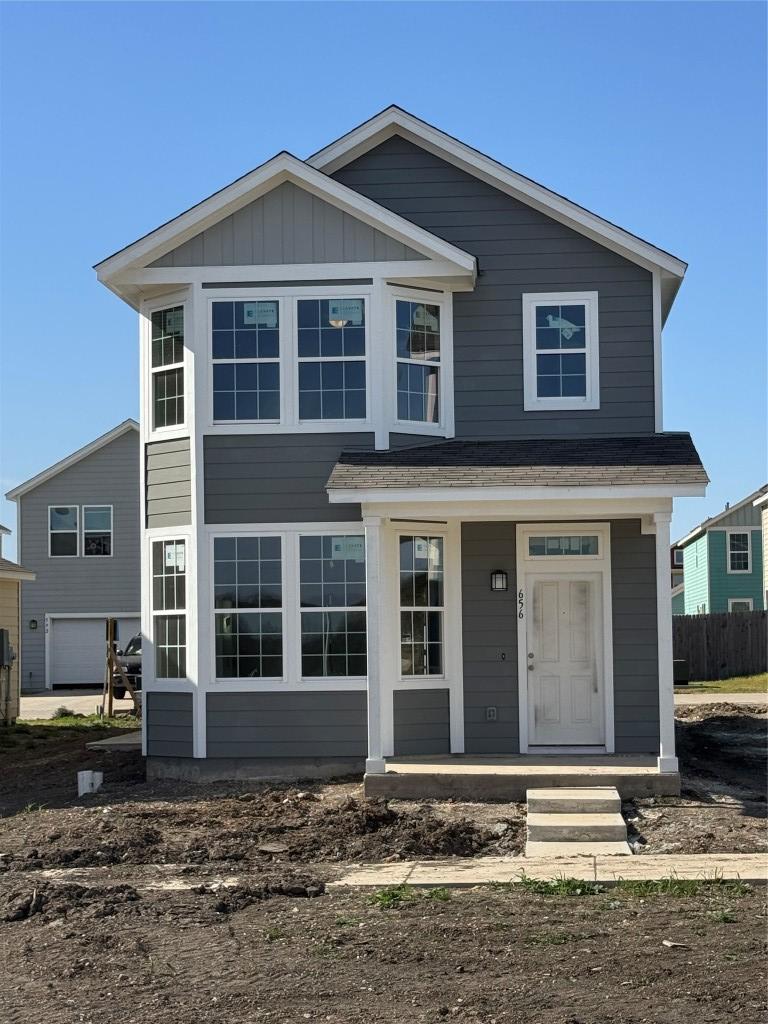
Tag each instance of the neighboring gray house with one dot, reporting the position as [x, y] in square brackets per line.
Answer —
[78, 531]
[406, 487]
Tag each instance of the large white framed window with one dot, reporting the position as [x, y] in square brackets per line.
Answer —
[332, 599]
[169, 602]
[740, 604]
[560, 351]
[248, 607]
[166, 360]
[97, 531]
[739, 551]
[245, 349]
[63, 531]
[422, 604]
[331, 341]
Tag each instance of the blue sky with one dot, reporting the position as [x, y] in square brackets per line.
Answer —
[115, 117]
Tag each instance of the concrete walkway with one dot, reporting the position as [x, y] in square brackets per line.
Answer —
[81, 701]
[125, 741]
[463, 872]
[683, 697]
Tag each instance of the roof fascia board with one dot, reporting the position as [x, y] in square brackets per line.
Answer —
[73, 459]
[387, 495]
[395, 121]
[17, 574]
[281, 168]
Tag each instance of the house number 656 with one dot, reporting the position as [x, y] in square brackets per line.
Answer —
[520, 604]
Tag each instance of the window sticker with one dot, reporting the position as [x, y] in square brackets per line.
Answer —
[348, 311]
[260, 314]
[348, 549]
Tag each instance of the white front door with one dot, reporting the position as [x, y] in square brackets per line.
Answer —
[564, 659]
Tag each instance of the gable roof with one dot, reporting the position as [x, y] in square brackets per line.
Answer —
[13, 571]
[752, 499]
[244, 190]
[73, 459]
[393, 120]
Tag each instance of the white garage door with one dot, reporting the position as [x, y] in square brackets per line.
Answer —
[77, 649]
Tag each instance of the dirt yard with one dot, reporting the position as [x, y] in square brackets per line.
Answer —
[130, 922]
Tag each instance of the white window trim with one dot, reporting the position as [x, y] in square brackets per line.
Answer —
[291, 679]
[289, 359]
[427, 680]
[741, 600]
[76, 531]
[155, 613]
[153, 433]
[445, 425]
[675, 553]
[111, 529]
[584, 531]
[531, 401]
[738, 572]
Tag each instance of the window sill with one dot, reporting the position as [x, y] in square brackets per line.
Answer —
[316, 684]
[273, 428]
[559, 404]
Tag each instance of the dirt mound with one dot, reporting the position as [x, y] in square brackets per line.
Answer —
[701, 712]
[52, 901]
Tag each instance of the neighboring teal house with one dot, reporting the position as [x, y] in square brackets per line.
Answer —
[723, 562]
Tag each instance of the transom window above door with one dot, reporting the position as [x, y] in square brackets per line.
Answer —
[560, 351]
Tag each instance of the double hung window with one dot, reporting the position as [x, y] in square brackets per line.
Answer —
[169, 602]
[739, 552]
[421, 605]
[418, 361]
[331, 348]
[167, 365]
[560, 351]
[63, 531]
[245, 346]
[97, 530]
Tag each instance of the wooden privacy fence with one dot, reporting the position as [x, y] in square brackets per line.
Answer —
[721, 645]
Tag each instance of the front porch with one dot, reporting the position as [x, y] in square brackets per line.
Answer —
[472, 778]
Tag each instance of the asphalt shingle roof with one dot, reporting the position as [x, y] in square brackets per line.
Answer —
[657, 458]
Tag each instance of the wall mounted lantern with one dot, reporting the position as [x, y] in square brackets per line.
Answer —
[499, 580]
[33, 623]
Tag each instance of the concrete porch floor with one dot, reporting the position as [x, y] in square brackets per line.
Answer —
[468, 777]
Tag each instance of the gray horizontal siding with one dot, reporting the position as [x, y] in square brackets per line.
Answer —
[635, 640]
[169, 724]
[518, 250]
[287, 225]
[257, 478]
[489, 631]
[109, 476]
[307, 724]
[421, 722]
[168, 483]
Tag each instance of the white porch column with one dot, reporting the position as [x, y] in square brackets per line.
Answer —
[667, 759]
[374, 575]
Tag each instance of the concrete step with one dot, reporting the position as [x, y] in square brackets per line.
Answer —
[578, 849]
[592, 800]
[563, 828]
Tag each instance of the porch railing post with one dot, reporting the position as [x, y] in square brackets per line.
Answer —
[373, 580]
[667, 759]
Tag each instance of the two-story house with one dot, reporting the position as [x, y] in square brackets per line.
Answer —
[78, 533]
[405, 487]
[723, 560]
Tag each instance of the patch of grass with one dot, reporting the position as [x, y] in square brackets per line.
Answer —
[439, 893]
[556, 887]
[273, 934]
[673, 886]
[76, 723]
[394, 895]
[551, 938]
[32, 808]
[739, 684]
[722, 916]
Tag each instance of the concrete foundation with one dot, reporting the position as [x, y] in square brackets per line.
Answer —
[251, 769]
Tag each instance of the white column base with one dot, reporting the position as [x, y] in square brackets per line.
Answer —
[375, 766]
[668, 764]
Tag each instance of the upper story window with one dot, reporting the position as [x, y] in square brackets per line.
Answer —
[331, 347]
[560, 351]
[245, 346]
[739, 552]
[97, 530]
[167, 360]
[418, 361]
[63, 531]
[677, 556]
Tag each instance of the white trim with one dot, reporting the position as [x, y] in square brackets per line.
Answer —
[658, 368]
[756, 497]
[675, 553]
[516, 493]
[71, 460]
[741, 600]
[281, 168]
[559, 567]
[48, 618]
[170, 432]
[678, 589]
[395, 121]
[532, 401]
[667, 760]
[111, 529]
[19, 573]
[76, 530]
[730, 533]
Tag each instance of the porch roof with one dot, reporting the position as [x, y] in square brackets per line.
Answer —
[668, 458]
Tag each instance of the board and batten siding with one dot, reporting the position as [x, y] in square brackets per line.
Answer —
[519, 250]
[313, 723]
[108, 476]
[287, 225]
[275, 478]
[422, 722]
[635, 639]
[168, 483]
[169, 724]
